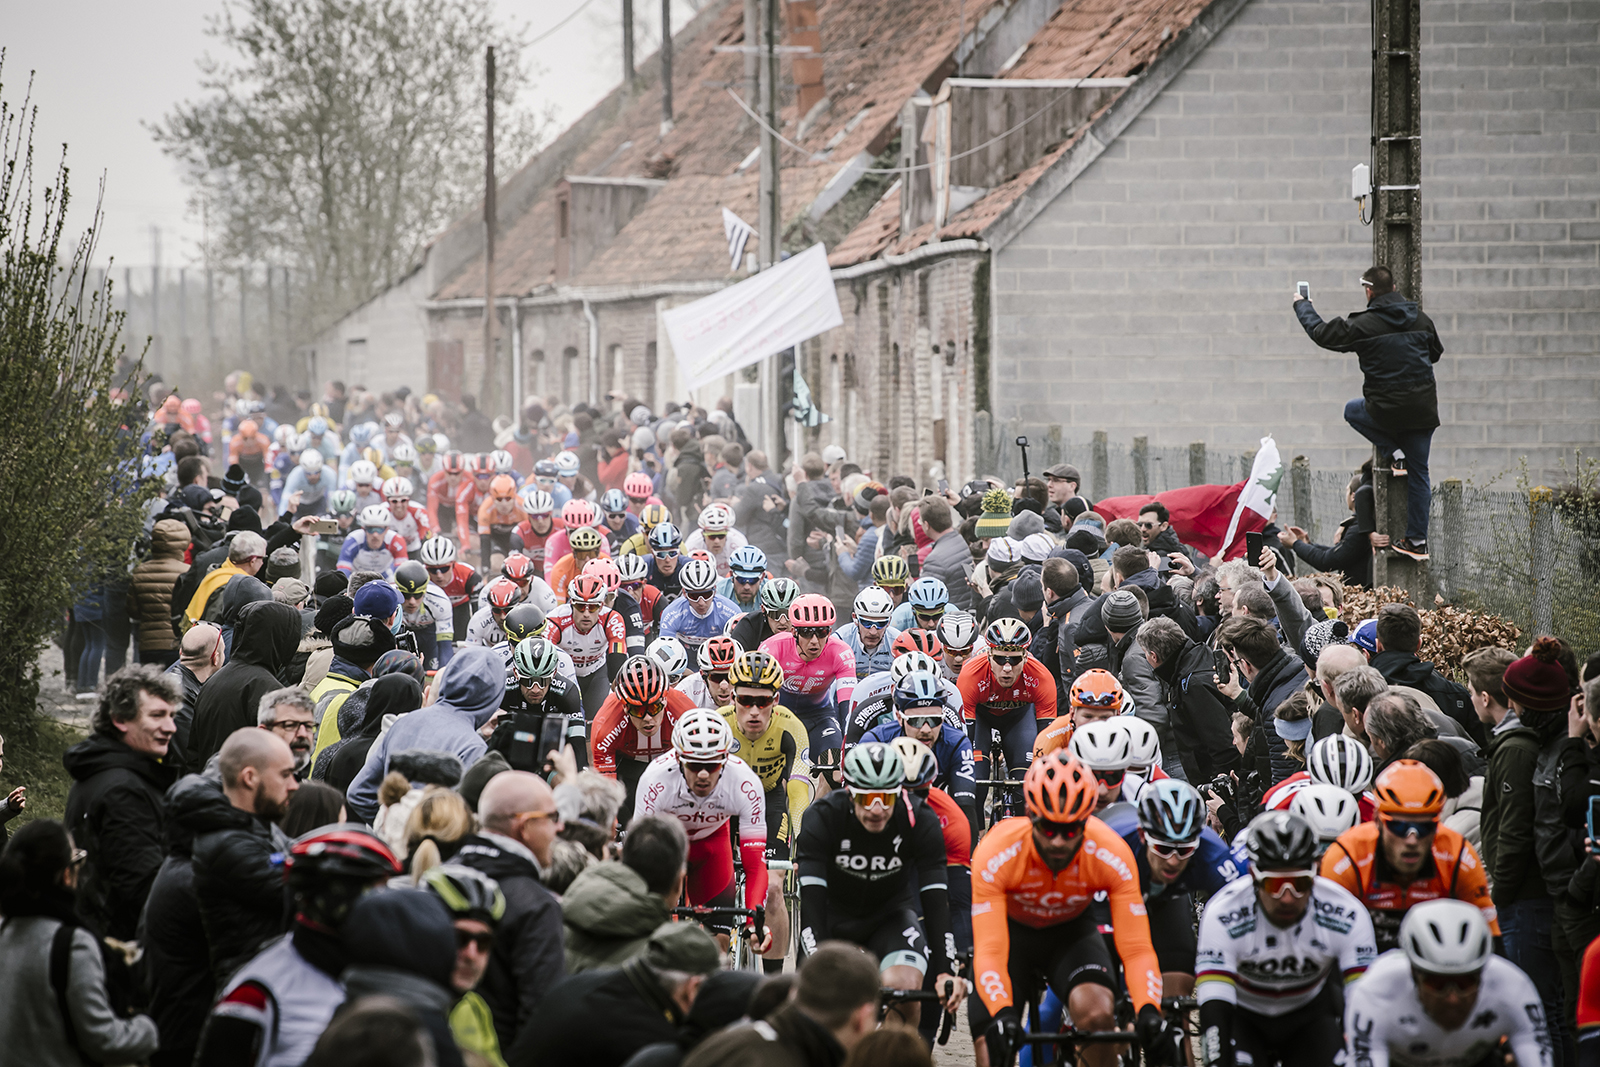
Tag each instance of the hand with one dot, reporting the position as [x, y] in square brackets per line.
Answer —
[956, 991]
[1004, 1037]
[291, 500]
[772, 503]
[1149, 1025]
[17, 799]
[1230, 686]
[1378, 540]
[847, 544]
[817, 538]
[302, 525]
[764, 943]
[1181, 563]
[1298, 296]
[564, 765]
[1577, 721]
[796, 567]
[1268, 564]
[1287, 537]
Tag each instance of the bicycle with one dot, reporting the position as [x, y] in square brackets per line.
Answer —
[791, 901]
[742, 955]
[1132, 1056]
[888, 998]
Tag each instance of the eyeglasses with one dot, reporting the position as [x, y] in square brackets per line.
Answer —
[868, 797]
[1284, 884]
[1052, 830]
[646, 711]
[1448, 983]
[1173, 852]
[1007, 661]
[697, 594]
[717, 678]
[1109, 778]
[1145, 525]
[745, 700]
[294, 726]
[816, 633]
[1423, 828]
[872, 624]
[536, 816]
[923, 722]
[484, 941]
[694, 769]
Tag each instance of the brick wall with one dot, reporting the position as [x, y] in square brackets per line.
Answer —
[1153, 296]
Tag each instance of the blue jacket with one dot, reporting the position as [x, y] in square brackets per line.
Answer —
[859, 566]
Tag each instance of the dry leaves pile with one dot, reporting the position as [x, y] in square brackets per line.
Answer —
[1448, 633]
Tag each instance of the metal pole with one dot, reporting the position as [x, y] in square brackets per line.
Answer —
[769, 206]
[155, 298]
[488, 234]
[752, 61]
[666, 67]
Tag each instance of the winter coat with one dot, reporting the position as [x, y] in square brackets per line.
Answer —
[240, 592]
[1464, 814]
[786, 1038]
[1164, 603]
[1404, 668]
[1166, 542]
[264, 641]
[765, 529]
[115, 812]
[1202, 718]
[950, 561]
[1397, 346]
[184, 716]
[1351, 558]
[608, 913]
[241, 893]
[150, 586]
[598, 1019]
[401, 944]
[812, 509]
[1275, 683]
[1553, 844]
[392, 695]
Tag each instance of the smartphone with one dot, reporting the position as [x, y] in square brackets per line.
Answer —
[1223, 665]
[944, 486]
[1304, 289]
[1253, 544]
[325, 526]
[552, 735]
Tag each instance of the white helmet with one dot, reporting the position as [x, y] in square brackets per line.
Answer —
[1341, 761]
[631, 567]
[1144, 747]
[311, 460]
[501, 461]
[284, 434]
[403, 453]
[920, 763]
[715, 518]
[702, 736]
[670, 653]
[1103, 746]
[536, 501]
[566, 464]
[438, 552]
[1446, 936]
[958, 629]
[912, 661]
[697, 574]
[363, 472]
[1330, 810]
[873, 603]
[374, 516]
[398, 487]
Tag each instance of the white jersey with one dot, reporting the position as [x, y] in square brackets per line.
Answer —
[694, 687]
[588, 650]
[880, 686]
[1245, 959]
[436, 613]
[539, 594]
[564, 665]
[663, 790]
[1384, 1022]
[408, 525]
[696, 542]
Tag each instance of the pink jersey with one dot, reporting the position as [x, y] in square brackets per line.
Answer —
[811, 688]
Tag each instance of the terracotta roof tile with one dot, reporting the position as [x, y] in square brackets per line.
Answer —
[879, 230]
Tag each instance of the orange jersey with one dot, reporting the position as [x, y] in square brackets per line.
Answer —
[1011, 882]
[1355, 861]
[468, 497]
[507, 512]
[1034, 685]
[442, 493]
[613, 733]
[1057, 735]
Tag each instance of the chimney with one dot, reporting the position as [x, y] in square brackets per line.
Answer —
[805, 31]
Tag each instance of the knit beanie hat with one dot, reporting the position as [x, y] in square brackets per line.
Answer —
[331, 583]
[1537, 681]
[333, 609]
[283, 563]
[1120, 612]
[1319, 635]
[1026, 523]
[996, 518]
[245, 518]
[1027, 592]
[234, 480]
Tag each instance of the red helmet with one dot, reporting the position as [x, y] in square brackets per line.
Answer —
[517, 567]
[503, 593]
[918, 641]
[586, 589]
[1059, 788]
[718, 653]
[451, 462]
[813, 609]
[641, 682]
[579, 513]
[606, 571]
[638, 486]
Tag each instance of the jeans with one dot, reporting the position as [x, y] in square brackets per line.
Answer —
[1526, 927]
[1415, 444]
[94, 650]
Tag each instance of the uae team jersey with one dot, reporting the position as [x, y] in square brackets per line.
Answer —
[980, 690]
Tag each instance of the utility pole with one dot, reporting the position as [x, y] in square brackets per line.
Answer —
[489, 380]
[752, 61]
[155, 297]
[666, 67]
[627, 46]
[770, 224]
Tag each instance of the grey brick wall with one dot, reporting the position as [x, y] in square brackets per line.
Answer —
[1153, 296]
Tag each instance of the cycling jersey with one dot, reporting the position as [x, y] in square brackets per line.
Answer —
[517, 737]
[780, 757]
[981, 692]
[751, 630]
[814, 689]
[1278, 797]
[1212, 866]
[413, 525]
[694, 687]
[356, 556]
[953, 824]
[533, 545]
[613, 734]
[1010, 882]
[272, 1010]
[668, 584]
[1385, 1023]
[680, 620]
[616, 538]
[1247, 961]
[695, 544]
[464, 582]
[468, 498]
[1589, 1006]
[442, 490]
[558, 546]
[1057, 735]
[869, 662]
[1355, 860]
[725, 589]
[872, 705]
[564, 667]
[952, 750]
[663, 789]
[607, 637]
[633, 621]
[433, 623]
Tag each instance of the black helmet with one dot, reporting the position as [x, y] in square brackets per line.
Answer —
[1281, 841]
[412, 577]
[522, 621]
[469, 894]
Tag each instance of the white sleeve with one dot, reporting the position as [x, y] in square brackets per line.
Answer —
[752, 801]
[1216, 963]
[651, 789]
[541, 596]
[1366, 1035]
[1359, 947]
[567, 668]
[444, 622]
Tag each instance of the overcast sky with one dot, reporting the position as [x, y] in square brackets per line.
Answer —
[103, 68]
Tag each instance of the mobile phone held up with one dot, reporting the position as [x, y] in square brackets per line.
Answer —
[1594, 838]
[1253, 544]
[1304, 289]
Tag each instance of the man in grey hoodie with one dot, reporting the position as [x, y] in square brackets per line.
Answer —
[469, 692]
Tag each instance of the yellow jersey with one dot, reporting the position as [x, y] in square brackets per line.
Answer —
[781, 755]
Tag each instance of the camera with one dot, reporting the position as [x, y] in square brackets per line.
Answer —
[1220, 787]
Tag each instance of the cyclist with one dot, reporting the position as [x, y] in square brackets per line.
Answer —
[404, 462]
[361, 476]
[700, 613]
[459, 581]
[650, 516]
[1106, 749]
[747, 568]
[920, 714]
[393, 437]
[407, 519]
[503, 462]
[593, 635]
[487, 625]
[703, 787]
[534, 533]
[525, 621]
[360, 437]
[305, 489]
[1330, 811]
[958, 633]
[872, 702]
[924, 606]
[716, 537]
[872, 872]
[1144, 758]
[374, 547]
[670, 653]
[1445, 999]
[476, 906]
[1344, 762]
[665, 544]
[546, 476]
[632, 570]
[870, 637]
[922, 770]
[620, 602]
[586, 545]
[1031, 918]
[522, 570]
[1006, 691]
[1405, 856]
[444, 485]
[568, 478]
[499, 513]
[753, 628]
[426, 612]
[634, 725]
[711, 686]
[890, 573]
[640, 489]
[535, 692]
[342, 506]
[1269, 946]
[819, 674]
[474, 490]
[575, 515]
[617, 523]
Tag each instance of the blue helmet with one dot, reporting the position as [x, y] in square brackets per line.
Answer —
[612, 502]
[361, 433]
[928, 594]
[665, 537]
[1171, 812]
[317, 426]
[919, 689]
[748, 562]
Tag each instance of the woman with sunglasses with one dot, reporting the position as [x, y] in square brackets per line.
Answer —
[1267, 979]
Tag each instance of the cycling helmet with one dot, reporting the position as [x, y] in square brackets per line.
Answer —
[567, 464]
[632, 568]
[1008, 635]
[577, 513]
[342, 502]
[452, 462]
[535, 658]
[669, 653]
[697, 575]
[411, 577]
[299, 443]
[317, 426]
[759, 669]
[545, 468]
[779, 594]
[921, 767]
[1058, 788]
[536, 501]
[917, 641]
[403, 453]
[361, 433]
[1341, 761]
[311, 460]
[584, 539]
[339, 850]
[653, 515]
[363, 472]
[467, 893]
[748, 563]
[517, 567]
[874, 604]
[702, 736]
[522, 622]
[500, 461]
[478, 465]
[958, 630]
[613, 502]
[606, 571]
[718, 654]
[394, 421]
[586, 589]
[438, 552]
[1144, 747]
[1330, 810]
[428, 444]
[638, 486]
[375, 516]
[398, 487]
[891, 571]
[910, 663]
[641, 682]
[873, 765]
[1409, 788]
[1103, 745]
[715, 519]
[1096, 689]
[919, 689]
[503, 487]
[928, 595]
[284, 435]
[1171, 812]
[1446, 936]
[813, 609]
[1281, 841]
[665, 537]
[503, 593]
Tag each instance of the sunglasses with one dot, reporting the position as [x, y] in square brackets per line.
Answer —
[744, 700]
[867, 797]
[923, 722]
[528, 681]
[630, 586]
[716, 537]
[872, 624]
[485, 942]
[695, 769]
[816, 633]
[1423, 828]
[719, 678]
[1448, 983]
[647, 712]
[1173, 852]
[441, 570]
[1052, 830]
[740, 579]
[1146, 525]
[697, 594]
[672, 554]
[1109, 777]
[1285, 884]
[1096, 700]
[1007, 661]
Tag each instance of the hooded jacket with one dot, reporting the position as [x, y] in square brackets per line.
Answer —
[786, 1038]
[470, 688]
[391, 695]
[401, 944]
[1201, 723]
[264, 641]
[1275, 683]
[240, 592]
[1404, 668]
[209, 585]
[609, 912]
[1397, 346]
[240, 892]
[150, 586]
[115, 811]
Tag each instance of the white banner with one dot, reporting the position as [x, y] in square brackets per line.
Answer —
[1260, 492]
[743, 324]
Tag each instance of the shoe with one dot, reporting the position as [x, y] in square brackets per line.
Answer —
[1397, 465]
[88, 696]
[1417, 550]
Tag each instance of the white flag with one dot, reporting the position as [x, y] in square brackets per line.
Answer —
[738, 233]
[1260, 492]
[806, 412]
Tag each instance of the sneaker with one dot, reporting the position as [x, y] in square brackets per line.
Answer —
[1417, 550]
[1397, 465]
[88, 696]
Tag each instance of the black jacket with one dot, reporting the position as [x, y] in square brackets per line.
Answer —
[1202, 718]
[1277, 682]
[184, 716]
[1351, 557]
[765, 529]
[1166, 542]
[264, 641]
[596, 1019]
[177, 966]
[1397, 347]
[528, 958]
[1404, 668]
[797, 1041]
[241, 893]
[391, 694]
[115, 811]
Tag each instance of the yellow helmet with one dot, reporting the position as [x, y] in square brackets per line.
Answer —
[759, 669]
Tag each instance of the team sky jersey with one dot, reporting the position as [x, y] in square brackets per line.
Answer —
[737, 796]
[1385, 1024]
[981, 692]
[813, 689]
[613, 735]
[680, 620]
[615, 538]
[872, 705]
[953, 824]
[356, 556]
[1011, 883]
[463, 584]
[668, 584]
[413, 525]
[780, 757]
[1248, 961]
[609, 636]
[953, 752]
[1212, 866]
[517, 736]
[869, 662]
[1355, 860]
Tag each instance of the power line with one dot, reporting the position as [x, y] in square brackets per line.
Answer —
[575, 13]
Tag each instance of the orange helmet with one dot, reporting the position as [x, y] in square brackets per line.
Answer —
[918, 641]
[1059, 788]
[586, 589]
[640, 683]
[1096, 689]
[1409, 789]
[503, 487]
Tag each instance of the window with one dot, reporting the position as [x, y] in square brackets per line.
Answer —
[561, 219]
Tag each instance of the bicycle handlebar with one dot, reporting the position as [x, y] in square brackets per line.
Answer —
[702, 911]
[888, 997]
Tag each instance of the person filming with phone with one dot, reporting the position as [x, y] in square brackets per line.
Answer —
[1398, 409]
